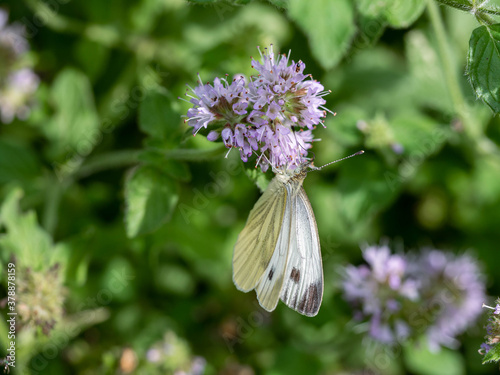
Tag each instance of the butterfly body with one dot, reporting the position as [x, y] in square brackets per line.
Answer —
[278, 252]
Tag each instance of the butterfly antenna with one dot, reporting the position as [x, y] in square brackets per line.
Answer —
[335, 161]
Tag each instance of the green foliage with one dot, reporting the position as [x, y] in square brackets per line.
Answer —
[444, 362]
[150, 197]
[157, 118]
[329, 36]
[483, 64]
[397, 13]
[75, 122]
[105, 179]
[24, 239]
[493, 354]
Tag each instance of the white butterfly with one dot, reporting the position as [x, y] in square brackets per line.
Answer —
[278, 251]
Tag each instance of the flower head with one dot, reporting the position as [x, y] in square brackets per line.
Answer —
[272, 115]
[17, 82]
[405, 295]
[41, 298]
[454, 288]
[379, 290]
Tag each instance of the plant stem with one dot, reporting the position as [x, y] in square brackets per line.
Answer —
[117, 159]
[472, 128]
[470, 8]
[448, 69]
[454, 4]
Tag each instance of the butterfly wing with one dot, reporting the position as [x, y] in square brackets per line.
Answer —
[303, 280]
[257, 241]
[269, 286]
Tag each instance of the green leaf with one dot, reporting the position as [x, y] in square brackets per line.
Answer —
[92, 56]
[24, 238]
[329, 26]
[483, 64]
[17, 163]
[423, 362]
[420, 136]
[398, 13]
[493, 355]
[157, 118]
[402, 13]
[429, 87]
[260, 178]
[279, 3]
[150, 198]
[370, 8]
[75, 124]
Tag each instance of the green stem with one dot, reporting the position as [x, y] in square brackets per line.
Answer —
[454, 4]
[195, 155]
[117, 159]
[125, 158]
[470, 8]
[472, 129]
[485, 19]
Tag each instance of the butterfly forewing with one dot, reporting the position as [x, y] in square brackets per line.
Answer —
[257, 241]
[302, 288]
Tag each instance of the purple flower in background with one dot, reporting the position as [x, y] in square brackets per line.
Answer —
[17, 82]
[272, 115]
[404, 296]
[16, 93]
[454, 287]
[379, 290]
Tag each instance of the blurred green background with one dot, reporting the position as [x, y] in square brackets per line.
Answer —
[141, 218]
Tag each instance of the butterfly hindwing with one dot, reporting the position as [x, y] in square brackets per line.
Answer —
[303, 280]
[269, 287]
[257, 241]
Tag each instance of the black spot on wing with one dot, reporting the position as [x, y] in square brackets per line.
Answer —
[309, 304]
[295, 275]
[271, 274]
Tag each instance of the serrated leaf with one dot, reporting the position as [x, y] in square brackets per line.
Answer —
[329, 26]
[402, 13]
[493, 355]
[75, 124]
[150, 198]
[157, 118]
[483, 64]
[422, 361]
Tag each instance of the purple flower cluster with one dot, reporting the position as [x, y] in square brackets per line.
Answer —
[17, 82]
[492, 338]
[406, 295]
[172, 355]
[272, 115]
